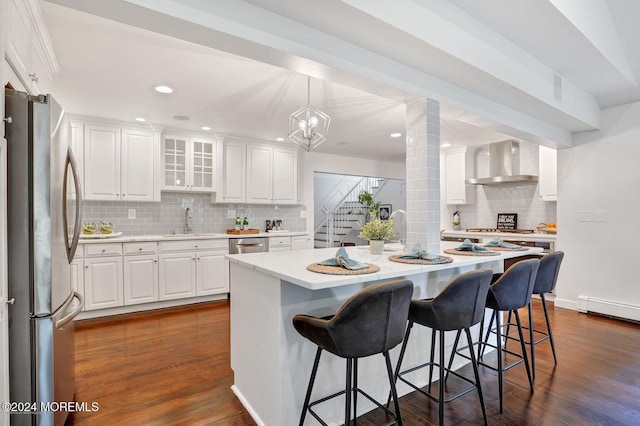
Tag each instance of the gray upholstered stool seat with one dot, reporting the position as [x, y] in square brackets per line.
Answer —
[509, 292]
[458, 307]
[370, 322]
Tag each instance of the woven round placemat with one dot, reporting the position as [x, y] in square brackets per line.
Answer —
[442, 260]
[339, 270]
[506, 248]
[470, 253]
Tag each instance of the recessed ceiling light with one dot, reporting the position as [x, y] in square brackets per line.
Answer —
[141, 119]
[180, 117]
[161, 88]
[395, 135]
[280, 139]
[205, 128]
[445, 145]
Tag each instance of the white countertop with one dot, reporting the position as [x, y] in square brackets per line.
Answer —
[192, 236]
[505, 235]
[291, 266]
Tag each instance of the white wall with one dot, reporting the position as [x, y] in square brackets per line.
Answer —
[601, 173]
[315, 162]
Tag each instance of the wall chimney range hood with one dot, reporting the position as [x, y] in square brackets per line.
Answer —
[504, 165]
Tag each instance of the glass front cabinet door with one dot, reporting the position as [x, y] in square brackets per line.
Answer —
[189, 164]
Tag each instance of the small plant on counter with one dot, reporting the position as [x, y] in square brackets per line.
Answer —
[378, 230]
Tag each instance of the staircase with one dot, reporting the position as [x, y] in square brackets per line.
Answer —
[345, 219]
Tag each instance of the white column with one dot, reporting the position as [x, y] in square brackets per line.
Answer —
[423, 174]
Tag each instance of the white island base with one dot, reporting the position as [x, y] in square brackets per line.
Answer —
[272, 362]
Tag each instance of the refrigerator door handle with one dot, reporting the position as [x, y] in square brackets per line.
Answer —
[71, 165]
[69, 317]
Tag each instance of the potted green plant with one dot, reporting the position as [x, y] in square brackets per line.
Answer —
[366, 199]
[376, 232]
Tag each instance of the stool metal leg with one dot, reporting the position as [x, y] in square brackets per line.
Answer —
[499, 354]
[312, 379]
[546, 318]
[475, 373]
[355, 390]
[402, 351]
[531, 342]
[441, 380]
[524, 349]
[453, 354]
[392, 382]
[433, 349]
[347, 394]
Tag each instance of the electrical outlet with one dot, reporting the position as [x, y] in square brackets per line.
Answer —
[231, 214]
[585, 216]
[132, 213]
[599, 215]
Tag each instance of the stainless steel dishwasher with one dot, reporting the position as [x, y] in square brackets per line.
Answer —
[248, 245]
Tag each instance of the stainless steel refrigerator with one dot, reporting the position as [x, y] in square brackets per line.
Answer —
[44, 214]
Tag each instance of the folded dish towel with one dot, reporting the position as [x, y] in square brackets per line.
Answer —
[498, 242]
[418, 253]
[342, 259]
[467, 245]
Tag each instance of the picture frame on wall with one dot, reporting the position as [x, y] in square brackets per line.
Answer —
[384, 211]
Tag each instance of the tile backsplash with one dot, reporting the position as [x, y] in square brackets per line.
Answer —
[168, 216]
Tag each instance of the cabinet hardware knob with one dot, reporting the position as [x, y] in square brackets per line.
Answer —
[104, 250]
[11, 301]
[8, 120]
[198, 258]
[86, 267]
[140, 249]
[155, 261]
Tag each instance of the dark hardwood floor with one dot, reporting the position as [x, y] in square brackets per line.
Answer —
[172, 367]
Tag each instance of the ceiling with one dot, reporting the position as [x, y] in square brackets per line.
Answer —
[108, 68]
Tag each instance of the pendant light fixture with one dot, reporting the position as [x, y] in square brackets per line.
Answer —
[308, 126]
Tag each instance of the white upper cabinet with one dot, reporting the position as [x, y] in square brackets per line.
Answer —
[285, 176]
[258, 173]
[137, 165]
[458, 164]
[102, 146]
[548, 178]
[118, 163]
[28, 47]
[189, 164]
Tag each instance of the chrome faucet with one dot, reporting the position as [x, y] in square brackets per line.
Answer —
[402, 213]
[188, 225]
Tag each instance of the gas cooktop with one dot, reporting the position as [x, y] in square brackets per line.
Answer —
[510, 231]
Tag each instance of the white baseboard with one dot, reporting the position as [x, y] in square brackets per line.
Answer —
[247, 406]
[608, 307]
[565, 303]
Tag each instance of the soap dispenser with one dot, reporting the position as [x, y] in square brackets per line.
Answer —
[456, 221]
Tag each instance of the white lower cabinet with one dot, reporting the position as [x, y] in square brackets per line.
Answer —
[212, 273]
[140, 279]
[177, 275]
[126, 274]
[279, 244]
[300, 242]
[103, 283]
[193, 268]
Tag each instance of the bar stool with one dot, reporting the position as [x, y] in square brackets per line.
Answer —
[459, 306]
[509, 292]
[371, 322]
[545, 283]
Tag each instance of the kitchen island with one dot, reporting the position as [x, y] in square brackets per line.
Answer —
[272, 362]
